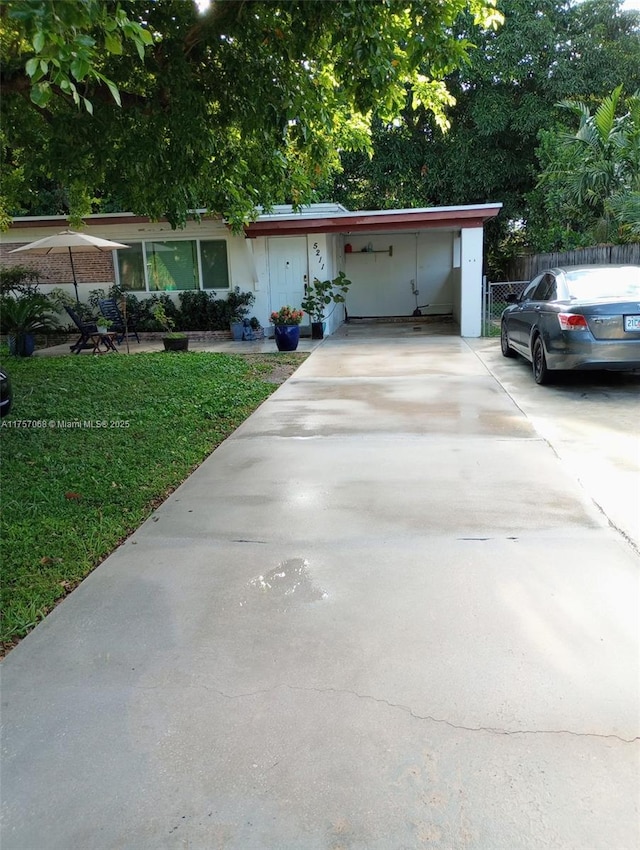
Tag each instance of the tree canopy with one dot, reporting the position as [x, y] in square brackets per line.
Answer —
[547, 51]
[151, 107]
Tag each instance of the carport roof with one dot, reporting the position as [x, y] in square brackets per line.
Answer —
[339, 221]
[316, 218]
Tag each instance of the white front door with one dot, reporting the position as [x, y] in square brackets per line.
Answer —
[288, 270]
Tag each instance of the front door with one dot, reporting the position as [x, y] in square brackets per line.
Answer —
[288, 270]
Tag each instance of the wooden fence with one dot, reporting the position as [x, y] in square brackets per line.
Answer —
[525, 268]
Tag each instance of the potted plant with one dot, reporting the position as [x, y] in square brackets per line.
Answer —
[238, 304]
[252, 329]
[104, 325]
[286, 327]
[24, 316]
[318, 295]
[173, 340]
[237, 328]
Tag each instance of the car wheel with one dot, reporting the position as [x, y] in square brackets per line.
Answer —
[507, 351]
[541, 374]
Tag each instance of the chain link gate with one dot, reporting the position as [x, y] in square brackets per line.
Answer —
[494, 301]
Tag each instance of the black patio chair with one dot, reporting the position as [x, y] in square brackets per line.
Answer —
[85, 328]
[110, 310]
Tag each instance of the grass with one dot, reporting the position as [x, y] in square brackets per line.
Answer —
[108, 439]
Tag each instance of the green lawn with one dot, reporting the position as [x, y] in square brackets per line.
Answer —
[102, 440]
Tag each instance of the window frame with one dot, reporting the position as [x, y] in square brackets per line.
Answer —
[545, 288]
[530, 289]
[200, 283]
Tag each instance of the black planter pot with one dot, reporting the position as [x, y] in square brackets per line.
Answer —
[179, 344]
[317, 330]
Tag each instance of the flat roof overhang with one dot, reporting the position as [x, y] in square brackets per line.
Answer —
[375, 220]
[295, 224]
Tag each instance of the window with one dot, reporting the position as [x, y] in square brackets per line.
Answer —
[171, 266]
[174, 265]
[215, 271]
[131, 268]
[546, 289]
[604, 282]
[528, 293]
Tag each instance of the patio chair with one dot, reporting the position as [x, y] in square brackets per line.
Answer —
[110, 310]
[86, 330]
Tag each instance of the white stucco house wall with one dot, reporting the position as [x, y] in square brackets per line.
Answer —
[397, 260]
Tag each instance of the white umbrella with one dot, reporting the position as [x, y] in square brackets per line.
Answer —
[68, 241]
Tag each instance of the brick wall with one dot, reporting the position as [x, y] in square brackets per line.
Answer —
[92, 267]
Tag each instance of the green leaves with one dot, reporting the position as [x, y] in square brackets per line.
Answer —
[246, 106]
[495, 105]
[41, 94]
[320, 293]
[38, 41]
[593, 177]
[62, 38]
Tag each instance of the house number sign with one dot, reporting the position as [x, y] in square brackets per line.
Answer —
[318, 253]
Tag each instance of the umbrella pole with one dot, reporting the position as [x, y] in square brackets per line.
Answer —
[73, 272]
[124, 314]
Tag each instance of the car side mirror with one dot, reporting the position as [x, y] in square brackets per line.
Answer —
[512, 298]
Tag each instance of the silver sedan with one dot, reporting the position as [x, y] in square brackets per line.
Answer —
[578, 317]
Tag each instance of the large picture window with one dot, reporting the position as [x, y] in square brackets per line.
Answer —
[171, 265]
[174, 265]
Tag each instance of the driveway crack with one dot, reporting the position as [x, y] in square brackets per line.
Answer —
[491, 730]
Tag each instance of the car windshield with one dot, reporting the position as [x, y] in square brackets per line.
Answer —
[604, 282]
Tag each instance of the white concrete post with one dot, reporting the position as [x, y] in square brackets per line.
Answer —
[471, 281]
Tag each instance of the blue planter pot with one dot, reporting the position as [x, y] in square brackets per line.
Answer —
[237, 331]
[287, 337]
[22, 345]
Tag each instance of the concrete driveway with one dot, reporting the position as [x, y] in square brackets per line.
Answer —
[385, 614]
[591, 419]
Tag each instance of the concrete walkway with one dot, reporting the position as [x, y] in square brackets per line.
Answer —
[266, 345]
[381, 616]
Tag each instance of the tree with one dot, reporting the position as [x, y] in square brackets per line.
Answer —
[244, 106]
[546, 51]
[591, 177]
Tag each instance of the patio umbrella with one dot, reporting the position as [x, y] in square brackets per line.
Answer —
[68, 241]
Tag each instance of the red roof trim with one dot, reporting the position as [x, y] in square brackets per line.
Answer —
[363, 222]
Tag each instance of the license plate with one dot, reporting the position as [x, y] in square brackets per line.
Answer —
[632, 323]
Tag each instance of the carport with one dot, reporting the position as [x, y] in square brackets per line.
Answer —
[401, 262]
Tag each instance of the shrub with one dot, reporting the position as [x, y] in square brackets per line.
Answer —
[238, 304]
[196, 310]
[202, 311]
[18, 280]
